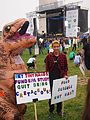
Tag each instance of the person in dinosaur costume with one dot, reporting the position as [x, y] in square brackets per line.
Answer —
[14, 41]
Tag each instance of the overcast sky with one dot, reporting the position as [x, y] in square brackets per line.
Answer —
[13, 9]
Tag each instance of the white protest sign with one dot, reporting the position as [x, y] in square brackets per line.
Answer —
[30, 86]
[64, 89]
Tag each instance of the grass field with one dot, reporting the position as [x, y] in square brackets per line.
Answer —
[73, 108]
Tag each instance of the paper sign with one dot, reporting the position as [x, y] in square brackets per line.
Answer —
[64, 89]
[29, 86]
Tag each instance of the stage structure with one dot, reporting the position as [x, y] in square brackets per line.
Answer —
[33, 22]
[52, 18]
[77, 19]
[52, 15]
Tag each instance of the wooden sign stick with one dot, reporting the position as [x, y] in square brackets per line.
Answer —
[35, 111]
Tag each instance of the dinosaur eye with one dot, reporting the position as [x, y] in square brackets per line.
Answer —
[7, 28]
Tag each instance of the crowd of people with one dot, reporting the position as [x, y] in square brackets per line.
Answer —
[65, 42]
[56, 59]
[56, 54]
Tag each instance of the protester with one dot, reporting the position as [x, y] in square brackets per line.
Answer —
[84, 41]
[56, 65]
[77, 59]
[14, 40]
[31, 63]
[62, 45]
[47, 43]
[74, 43]
[86, 53]
[40, 44]
[30, 50]
[78, 41]
[86, 113]
[71, 55]
[50, 47]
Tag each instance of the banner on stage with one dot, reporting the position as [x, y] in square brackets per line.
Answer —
[30, 86]
[64, 89]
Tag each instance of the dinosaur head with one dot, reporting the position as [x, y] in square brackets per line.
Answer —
[10, 51]
[12, 28]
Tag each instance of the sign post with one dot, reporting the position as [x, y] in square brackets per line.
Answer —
[35, 111]
[34, 101]
[62, 109]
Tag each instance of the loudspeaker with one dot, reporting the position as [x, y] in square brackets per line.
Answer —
[35, 26]
[83, 20]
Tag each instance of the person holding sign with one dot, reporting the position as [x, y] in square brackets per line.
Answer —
[14, 40]
[86, 54]
[86, 112]
[56, 65]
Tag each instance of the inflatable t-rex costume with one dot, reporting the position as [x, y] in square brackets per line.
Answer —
[13, 41]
